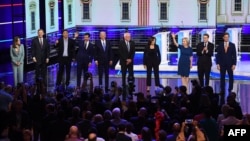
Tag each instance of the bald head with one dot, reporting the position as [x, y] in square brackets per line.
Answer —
[73, 130]
[176, 127]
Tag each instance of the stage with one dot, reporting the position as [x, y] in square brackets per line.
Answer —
[168, 76]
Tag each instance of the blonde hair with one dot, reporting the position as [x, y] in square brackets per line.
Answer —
[187, 40]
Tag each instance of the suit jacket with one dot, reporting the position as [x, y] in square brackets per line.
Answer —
[147, 58]
[205, 57]
[17, 57]
[71, 48]
[226, 59]
[41, 53]
[103, 57]
[122, 137]
[85, 55]
[124, 53]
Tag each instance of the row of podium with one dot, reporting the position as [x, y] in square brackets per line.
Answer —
[163, 40]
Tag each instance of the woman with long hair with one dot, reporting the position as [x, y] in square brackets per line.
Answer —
[17, 54]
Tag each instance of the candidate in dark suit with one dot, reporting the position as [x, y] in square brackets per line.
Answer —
[205, 51]
[152, 60]
[103, 58]
[84, 57]
[66, 53]
[126, 54]
[40, 49]
[226, 61]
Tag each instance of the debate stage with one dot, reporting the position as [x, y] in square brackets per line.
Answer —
[168, 76]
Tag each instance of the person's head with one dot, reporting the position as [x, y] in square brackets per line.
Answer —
[205, 37]
[146, 134]
[162, 135]
[65, 34]
[16, 41]
[233, 95]
[73, 131]
[27, 135]
[226, 37]
[224, 109]
[116, 113]
[111, 133]
[76, 34]
[129, 127]
[102, 35]
[107, 115]
[151, 40]
[185, 41]
[40, 33]
[97, 118]
[76, 111]
[86, 37]
[122, 127]
[183, 89]
[142, 112]
[127, 36]
[176, 127]
[168, 89]
[92, 137]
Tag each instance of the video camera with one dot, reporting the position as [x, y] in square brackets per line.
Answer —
[131, 85]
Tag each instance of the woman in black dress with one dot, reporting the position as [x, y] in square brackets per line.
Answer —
[152, 59]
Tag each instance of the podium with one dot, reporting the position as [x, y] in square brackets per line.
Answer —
[235, 37]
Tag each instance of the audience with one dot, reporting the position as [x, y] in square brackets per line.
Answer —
[29, 113]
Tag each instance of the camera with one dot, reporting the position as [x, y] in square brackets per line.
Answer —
[131, 85]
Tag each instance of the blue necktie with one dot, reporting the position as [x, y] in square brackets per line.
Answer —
[103, 45]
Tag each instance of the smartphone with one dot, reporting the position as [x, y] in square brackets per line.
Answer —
[188, 121]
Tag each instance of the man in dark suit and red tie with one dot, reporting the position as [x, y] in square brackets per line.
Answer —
[226, 61]
[205, 51]
[40, 50]
[126, 54]
[84, 57]
[103, 58]
[66, 54]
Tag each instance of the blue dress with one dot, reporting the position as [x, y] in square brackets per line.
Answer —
[184, 60]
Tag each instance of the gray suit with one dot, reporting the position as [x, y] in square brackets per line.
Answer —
[17, 57]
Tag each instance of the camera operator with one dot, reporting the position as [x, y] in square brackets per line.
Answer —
[131, 88]
[190, 131]
[20, 93]
[88, 82]
[115, 91]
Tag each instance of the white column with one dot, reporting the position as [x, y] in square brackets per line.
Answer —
[248, 15]
[162, 41]
[222, 18]
[234, 38]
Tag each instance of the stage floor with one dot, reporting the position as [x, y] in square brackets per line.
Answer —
[168, 76]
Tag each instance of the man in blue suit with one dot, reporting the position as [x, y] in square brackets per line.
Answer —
[84, 57]
[103, 58]
[226, 61]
